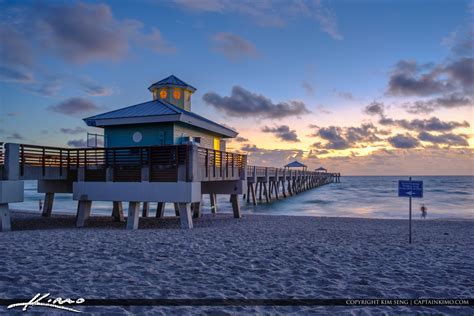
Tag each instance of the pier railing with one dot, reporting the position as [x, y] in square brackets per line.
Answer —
[168, 163]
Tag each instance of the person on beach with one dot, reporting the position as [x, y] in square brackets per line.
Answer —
[423, 210]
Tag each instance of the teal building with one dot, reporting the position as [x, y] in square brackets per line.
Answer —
[166, 120]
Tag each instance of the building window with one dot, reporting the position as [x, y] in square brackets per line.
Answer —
[163, 94]
[177, 94]
[217, 143]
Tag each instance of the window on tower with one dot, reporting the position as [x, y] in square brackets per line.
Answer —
[177, 94]
[163, 94]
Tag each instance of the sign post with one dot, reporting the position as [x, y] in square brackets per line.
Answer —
[410, 189]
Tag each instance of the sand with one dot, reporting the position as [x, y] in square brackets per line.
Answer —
[257, 256]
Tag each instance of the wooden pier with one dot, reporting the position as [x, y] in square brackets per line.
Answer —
[178, 174]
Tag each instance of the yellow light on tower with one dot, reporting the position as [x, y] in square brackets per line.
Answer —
[176, 94]
[163, 94]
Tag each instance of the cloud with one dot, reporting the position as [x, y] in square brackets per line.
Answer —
[339, 138]
[448, 101]
[94, 89]
[77, 143]
[15, 49]
[403, 141]
[308, 87]
[78, 32]
[345, 95]
[460, 42]
[282, 132]
[73, 131]
[243, 103]
[444, 139]
[271, 13]
[48, 88]
[233, 46]
[375, 108]
[406, 79]
[9, 74]
[431, 124]
[327, 20]
[240, 139]
[452, 80]
[74, 106]
[16, 136]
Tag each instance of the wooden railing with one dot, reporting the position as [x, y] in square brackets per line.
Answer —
[221, 164]
[164, 163]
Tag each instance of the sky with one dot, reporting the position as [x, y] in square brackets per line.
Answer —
[359, 87]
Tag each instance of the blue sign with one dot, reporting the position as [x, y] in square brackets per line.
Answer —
[410, 189]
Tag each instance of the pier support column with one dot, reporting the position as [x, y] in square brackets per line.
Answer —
[117, 211]
[267, 197]
[185, 218]
[252, 192]
[83, 212]
[235, 205]
[160, 209]
[48, 205]
[213, 199]
[146, 209]
[197, 209]
[5, 218]
[176, 209]
[133, 215]
[260, 191]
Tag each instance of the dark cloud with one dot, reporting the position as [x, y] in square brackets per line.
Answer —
[345, 95]
[77, 143]
[94, 89]
[334, 138]
[240, 139]
[461, 42]
[47, 88]
[308, 87]
[73, 131]
[406, 80]
[15, 48]
[375, 108]
[233, 46]
[431, 124]
[243, 103]
[403, 141]
[15, 75]
[449, 101]
[16, 136]
[74, 106]
[444, 139]
[249, 148]
[79, 32]
[282, 132]
[462, 70]
[453, 81]
[339, 138]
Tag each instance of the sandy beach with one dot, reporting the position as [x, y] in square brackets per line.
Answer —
[255, 257]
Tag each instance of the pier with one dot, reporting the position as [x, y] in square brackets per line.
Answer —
[177, 174]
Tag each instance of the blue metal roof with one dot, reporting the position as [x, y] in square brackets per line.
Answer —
[151, 108]
[154, 109]
[295, 164]
[172, 81]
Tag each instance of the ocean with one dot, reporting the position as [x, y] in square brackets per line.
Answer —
[357, 196]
